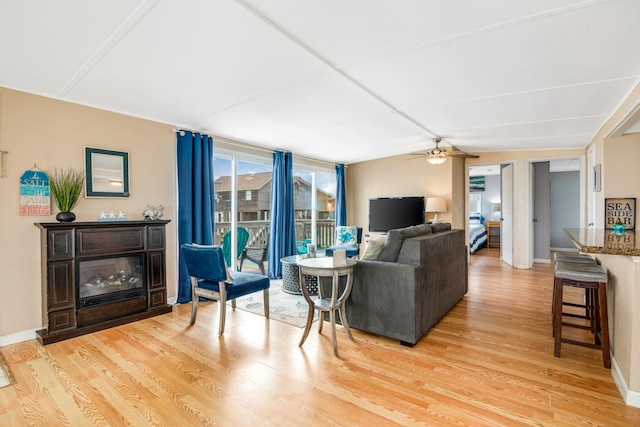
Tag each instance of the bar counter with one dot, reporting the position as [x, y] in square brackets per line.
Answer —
[599, 241]
[619, 255]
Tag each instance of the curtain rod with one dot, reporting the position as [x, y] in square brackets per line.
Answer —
[252, 147]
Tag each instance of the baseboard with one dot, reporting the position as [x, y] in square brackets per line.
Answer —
[631, 398]
[172, 300]
[17, 337]
[542, 261]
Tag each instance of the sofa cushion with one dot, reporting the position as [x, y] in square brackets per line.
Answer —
[440, 226]
[393, 243]
[373, 249]
[417, 230]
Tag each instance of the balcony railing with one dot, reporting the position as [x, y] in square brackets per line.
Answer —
[259, 232]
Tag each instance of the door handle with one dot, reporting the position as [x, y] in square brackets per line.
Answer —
[535, 219]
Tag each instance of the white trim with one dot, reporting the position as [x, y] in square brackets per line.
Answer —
[18, 337]
[628, 120]
[541, 261]
[631, 398]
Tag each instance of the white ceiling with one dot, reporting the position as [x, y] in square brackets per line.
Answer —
[343, 81]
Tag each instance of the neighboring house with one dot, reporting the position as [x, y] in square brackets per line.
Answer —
[254, 198]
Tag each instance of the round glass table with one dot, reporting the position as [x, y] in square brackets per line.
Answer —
[291, 279]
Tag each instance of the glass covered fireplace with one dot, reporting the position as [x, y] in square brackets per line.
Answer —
[108, 280]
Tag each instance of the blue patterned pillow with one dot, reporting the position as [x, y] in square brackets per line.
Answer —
[347, 235]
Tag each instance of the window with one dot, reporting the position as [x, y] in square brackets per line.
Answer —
[247, 195]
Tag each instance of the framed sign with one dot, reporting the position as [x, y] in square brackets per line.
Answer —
[623, 210]
[35, 194]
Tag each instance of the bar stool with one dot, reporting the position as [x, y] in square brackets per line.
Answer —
[593, 279]
[573, 257]
[578, 259]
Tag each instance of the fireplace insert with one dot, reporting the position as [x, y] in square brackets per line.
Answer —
[108, 285]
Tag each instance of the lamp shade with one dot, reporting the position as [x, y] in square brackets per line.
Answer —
[436, 204]
[495, 207]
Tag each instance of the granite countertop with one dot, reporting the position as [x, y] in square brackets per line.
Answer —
[599, 241]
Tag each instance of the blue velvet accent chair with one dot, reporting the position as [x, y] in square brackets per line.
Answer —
[241, 242]
[210, 279]
[347, 238]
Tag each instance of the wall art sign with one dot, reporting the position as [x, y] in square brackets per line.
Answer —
[35, 196]
[623, 210]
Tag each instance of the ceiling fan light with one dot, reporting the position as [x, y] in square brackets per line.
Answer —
[437, 159]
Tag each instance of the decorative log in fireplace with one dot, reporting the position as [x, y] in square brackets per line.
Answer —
[96, 275]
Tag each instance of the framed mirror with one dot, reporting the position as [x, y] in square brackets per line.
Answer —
[107, 173]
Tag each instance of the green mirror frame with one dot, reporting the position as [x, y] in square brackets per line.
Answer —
[107, 173]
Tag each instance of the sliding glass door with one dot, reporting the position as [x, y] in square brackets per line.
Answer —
[243, 200]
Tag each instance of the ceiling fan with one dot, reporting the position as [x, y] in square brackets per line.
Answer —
[437, 155]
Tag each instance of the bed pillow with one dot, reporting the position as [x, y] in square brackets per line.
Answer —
[476, 219]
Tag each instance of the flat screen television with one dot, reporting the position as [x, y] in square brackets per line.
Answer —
[395, 212]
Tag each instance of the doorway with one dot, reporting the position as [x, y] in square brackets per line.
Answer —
[492, 185]
[556, 201]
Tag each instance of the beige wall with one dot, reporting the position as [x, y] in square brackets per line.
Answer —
[621, 178]
[521, 183]
[50, 133]
[401, 176]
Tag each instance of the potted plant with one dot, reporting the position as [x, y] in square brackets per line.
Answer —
[66, 187]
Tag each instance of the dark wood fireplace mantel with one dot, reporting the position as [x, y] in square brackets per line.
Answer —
[64, 248]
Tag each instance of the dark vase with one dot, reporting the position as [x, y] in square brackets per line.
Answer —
[66, 216]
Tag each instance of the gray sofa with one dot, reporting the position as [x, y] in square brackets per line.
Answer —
[419, 276]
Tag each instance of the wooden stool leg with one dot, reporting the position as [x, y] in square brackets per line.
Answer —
[604, 324]
[557, 315]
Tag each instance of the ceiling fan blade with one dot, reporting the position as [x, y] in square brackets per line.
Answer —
[462, 154]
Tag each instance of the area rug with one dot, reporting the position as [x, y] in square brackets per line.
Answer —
[5, 374]
[283, 307]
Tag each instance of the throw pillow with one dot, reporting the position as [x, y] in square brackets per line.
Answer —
[373, 249]
[392, 245]
[347, 235]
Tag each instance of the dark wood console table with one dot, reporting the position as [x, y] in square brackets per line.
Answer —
[74, 250]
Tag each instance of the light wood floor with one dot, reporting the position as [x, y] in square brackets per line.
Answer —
[489, 362]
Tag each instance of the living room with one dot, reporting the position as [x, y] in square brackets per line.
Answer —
[41, 132]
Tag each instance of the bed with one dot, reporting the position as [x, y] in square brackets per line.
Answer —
[477, 233]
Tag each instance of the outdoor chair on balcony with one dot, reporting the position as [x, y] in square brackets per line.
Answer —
[302, 246]
[347, 238]
[210, 279]
[241, 241]
[257, 256]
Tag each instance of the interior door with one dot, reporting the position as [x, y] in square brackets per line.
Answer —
[506, 228]
[541, 212]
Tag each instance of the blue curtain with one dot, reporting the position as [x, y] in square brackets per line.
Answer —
[282, 236]
[195, 199]
[341, 200]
